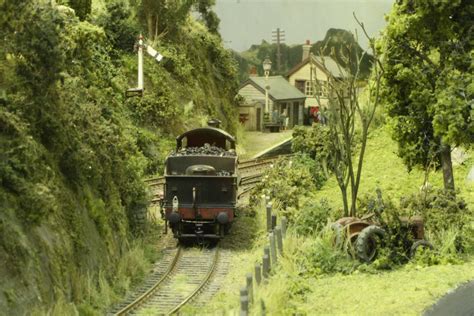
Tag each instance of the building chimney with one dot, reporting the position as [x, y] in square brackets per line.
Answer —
[253, 71]
[306, 49]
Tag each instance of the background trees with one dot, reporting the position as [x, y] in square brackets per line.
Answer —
[428, 80]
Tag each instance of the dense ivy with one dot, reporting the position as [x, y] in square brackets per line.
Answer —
[74, 151]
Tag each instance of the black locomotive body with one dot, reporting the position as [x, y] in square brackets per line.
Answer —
[200, 191]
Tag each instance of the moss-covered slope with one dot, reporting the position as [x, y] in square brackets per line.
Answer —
[74, 150]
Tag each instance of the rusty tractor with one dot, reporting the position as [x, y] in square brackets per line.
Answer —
[367, 235]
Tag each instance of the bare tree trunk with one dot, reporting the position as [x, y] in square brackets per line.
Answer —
[355, 189]
[156, 30]
[150, 24]
[344, 199]
[446, 164]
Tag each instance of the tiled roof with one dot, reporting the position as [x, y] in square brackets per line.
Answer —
[280, 88]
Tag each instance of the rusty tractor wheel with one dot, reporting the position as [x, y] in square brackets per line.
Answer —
[367, 242]
[422, 243]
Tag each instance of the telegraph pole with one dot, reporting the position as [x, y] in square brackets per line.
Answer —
[278, 37]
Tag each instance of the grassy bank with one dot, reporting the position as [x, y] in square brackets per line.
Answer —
[300, 284]
[385, 170]
[405, 291]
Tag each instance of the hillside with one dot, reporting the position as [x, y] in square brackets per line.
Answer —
[336, 40]
[75, 151]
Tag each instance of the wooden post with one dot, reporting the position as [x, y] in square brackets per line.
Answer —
[258, 273]
[279, 240]
[269, 217]
[273, 248]
[274, 221]
[266, 250]
[244, 302]
[283, 226]
[249, 283]
[265, 266]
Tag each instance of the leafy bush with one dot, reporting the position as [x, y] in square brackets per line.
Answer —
[287, 181]
[119, 26]
[447, 220]
[441, 210]
[312, 216]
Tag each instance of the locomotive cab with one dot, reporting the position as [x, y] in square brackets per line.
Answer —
[200, 190]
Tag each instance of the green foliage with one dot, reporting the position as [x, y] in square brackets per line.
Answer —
[119, 25]
[447, 222]
[210, 17]
[163, 17]
[428, 77]
[287, 181]
[320, 256]
[346, 50]
[441, 209]
[314, 141]
[312, 216]
[75, 152]
[81, 7]
[342, 42]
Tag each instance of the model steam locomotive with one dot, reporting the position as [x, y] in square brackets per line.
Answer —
[200, 191]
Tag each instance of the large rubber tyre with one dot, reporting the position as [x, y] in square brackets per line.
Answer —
[367, 242]
[422, 243]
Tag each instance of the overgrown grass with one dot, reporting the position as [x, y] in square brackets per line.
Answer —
[385, 170]
[407, 291]
[314, 278]
[95, 294]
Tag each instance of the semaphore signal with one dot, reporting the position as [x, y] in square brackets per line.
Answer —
[150, 51]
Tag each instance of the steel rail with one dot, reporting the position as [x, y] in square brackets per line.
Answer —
[137, 302]
[201, 285]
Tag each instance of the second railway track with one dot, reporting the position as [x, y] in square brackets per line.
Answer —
[189, 272]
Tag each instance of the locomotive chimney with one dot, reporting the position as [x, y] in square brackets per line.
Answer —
[214, 123]
[306, 49]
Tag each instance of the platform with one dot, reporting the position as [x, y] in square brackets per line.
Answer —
[257, 143]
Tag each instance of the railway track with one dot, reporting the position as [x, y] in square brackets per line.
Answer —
[189, 272]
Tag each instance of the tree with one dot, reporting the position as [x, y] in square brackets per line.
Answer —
[164, 17]
[119, 25]
[210, 17]
[81, 7]
[428, 80]
[346, 146]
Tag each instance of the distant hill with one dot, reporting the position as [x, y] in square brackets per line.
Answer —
[341, 45]
[336, 40]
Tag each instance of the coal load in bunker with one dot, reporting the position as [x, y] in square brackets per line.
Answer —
[200, 191]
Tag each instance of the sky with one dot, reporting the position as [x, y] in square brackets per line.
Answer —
[247, 22]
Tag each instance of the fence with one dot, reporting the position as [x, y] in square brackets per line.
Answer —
[271, 252]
